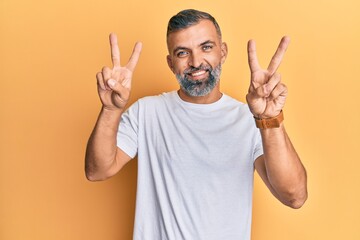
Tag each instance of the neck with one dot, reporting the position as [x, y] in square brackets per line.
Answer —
[212, 97]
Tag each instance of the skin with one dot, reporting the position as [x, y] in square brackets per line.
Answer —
[191, 47]
[200, 87]
[280, 166]
[103, 158]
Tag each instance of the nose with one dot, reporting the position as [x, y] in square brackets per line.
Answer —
[195, 60]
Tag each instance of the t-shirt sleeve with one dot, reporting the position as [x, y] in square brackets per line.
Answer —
[127, 135]
[258, 147]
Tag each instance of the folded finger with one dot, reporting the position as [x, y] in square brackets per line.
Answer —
[273, 81]
[100, 80]
[266, 89]
[279, 90]
[107, 74]
[122, 93]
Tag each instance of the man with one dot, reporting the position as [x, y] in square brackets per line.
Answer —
[197, 147]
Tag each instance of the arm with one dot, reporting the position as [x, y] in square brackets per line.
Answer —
[103, 158]
[281, 169]
[280, 166]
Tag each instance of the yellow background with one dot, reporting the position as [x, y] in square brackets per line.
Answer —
[50, 52]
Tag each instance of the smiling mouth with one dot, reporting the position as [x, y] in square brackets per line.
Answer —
[197, 74]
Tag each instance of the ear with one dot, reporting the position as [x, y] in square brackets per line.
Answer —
[169, 62]
[224, 52]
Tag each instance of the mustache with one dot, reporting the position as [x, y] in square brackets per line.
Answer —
[195, 69]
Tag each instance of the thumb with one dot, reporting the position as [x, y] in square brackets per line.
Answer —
[118, 88]
[112, 84]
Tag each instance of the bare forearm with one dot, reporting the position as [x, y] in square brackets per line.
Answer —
[284, 169]
[101, 148]
[103, 158]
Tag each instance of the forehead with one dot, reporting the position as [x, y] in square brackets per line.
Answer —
[194, 35]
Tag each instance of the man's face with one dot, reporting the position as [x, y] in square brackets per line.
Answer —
[195, 57]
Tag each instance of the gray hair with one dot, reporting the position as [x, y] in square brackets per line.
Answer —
[189, 17]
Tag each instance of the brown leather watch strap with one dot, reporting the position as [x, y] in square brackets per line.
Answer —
[273, 122]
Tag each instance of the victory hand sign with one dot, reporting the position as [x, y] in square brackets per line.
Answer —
[114, 84]
[267, 94]
[103, 158]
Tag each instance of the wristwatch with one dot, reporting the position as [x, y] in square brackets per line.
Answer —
[265, 123]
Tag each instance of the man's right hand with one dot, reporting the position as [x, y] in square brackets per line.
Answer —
[114, 85]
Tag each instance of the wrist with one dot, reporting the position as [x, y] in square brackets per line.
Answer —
[112, 110]
[273, 122]
[110, 117]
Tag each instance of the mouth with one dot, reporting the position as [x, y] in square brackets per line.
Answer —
[197, 75]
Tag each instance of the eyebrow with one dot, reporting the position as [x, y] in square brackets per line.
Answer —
[201, 44]
[207, 42]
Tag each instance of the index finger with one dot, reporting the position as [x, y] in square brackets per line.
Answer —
[279, 54]
[252, 57]
[115, 52]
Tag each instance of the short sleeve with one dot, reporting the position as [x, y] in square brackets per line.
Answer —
[258, 147]
[127, 135]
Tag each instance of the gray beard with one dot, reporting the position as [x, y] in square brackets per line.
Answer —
[199, 87]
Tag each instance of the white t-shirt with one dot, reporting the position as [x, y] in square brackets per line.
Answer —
[195, 167]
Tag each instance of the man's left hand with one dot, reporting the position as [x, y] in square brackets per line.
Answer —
[267, 94]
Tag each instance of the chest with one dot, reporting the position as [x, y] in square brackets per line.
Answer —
[212, 140]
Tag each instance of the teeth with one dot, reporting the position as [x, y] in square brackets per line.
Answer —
[197, 73]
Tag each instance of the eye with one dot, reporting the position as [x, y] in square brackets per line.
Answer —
[207, 48]
[182, 54]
